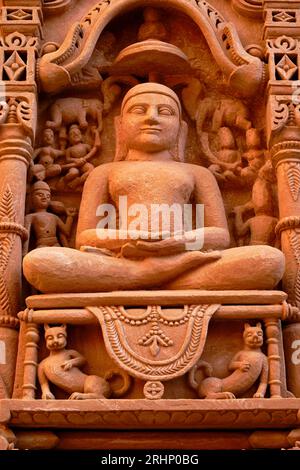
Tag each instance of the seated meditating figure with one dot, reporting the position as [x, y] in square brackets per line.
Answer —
[149, 169]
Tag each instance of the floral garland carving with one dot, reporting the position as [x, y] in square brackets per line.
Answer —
[116, 344]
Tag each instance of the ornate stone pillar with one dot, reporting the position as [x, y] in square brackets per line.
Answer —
[282, 33]
[20, 30]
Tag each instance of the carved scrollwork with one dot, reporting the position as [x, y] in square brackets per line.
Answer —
[282, 44]
[66, 66]
[18, 110]
[18, 40]
[92, 15]
[4, 108]
[24, 114]
[281, 110]
[212, 14]
[233, 45]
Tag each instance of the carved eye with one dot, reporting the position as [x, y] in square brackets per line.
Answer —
[50, 337]
[60, 335]
[166, 111]
[138, 109]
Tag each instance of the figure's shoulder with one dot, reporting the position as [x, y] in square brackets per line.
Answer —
[101, 170]
[43, 363]
[201, 172]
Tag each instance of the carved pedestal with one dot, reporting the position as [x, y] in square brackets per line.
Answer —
[167, 343]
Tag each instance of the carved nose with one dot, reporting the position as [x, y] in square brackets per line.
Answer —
[151, 116]
[151, 120]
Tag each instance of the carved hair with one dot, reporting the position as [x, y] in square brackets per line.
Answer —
[178, 150]
[151, 87]
[74, 127]
[40, 185]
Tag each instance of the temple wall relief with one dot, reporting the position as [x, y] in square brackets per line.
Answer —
[178, 103]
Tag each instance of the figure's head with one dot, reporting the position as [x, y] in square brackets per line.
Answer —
[75, 136]
[48, 136]
[40, 195]
[150, 122]
[253, 335]
[56, 337]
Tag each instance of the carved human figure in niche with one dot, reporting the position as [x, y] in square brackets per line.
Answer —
[149, 168]
[77, 158]
[248, 365]
[62, 368]
[46, 227]
[46, 167]
[262, 226]
[153, 27]
[254, 155]
[227, 164]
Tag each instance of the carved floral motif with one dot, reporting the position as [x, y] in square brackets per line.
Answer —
[9, 229]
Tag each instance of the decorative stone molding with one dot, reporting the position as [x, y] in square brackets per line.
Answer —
[56, 71]
[249, 8]
[56, 7]
[153, 414]
[26, 20]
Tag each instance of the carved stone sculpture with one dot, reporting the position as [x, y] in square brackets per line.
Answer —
[226, 166]
[249, 365]
[262, 226]
[254, 155]
[214, 111]
[62, 368]
[46, 167]
[153, 27]
[66, 111]
[149, 166]
[78, 155]
[164, 125]
[46, 227]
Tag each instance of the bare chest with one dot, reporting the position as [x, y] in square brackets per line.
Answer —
[151, 182]
[78, 151]
[44, 224]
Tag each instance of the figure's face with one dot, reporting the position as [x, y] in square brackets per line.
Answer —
[75, 136]
[253, 337]
[41, 199]
[55, 338]
[150, 122]
[48, 137]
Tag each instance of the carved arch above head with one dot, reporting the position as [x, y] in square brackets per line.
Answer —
[63, 68]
